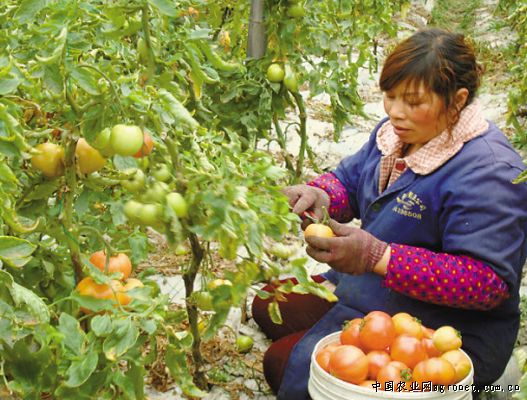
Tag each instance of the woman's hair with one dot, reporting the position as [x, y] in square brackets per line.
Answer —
[443, 61]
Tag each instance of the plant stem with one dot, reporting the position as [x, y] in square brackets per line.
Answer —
[189, 278]
[302, 116]
[282, 142]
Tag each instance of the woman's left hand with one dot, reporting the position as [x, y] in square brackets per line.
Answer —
[353, 250]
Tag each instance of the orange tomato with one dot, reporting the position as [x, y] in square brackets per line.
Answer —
[405, 323]
[436, 370]
[319, 230]
[324, 355]
[408, 349]
[146, 148]
[368, 384]
[377, 332]
[88, 287]
[88, 158]
[447, 338]
[350, 332]
[376, 360]
[460, 362]
[131, 283]
[396, 373]
[119, 263]
[348, 363]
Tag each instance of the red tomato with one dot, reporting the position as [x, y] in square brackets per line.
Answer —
[348, 363]
[324, 355]
[406, 324]
[436, 370]
[119, 263]
[146, 148]
[408, 349]
[350, 332]
[394, 373]
[376, 360]
[377, 332]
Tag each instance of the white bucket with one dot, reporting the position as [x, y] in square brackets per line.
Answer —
[323, 386]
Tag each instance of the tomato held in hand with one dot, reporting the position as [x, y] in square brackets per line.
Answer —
[119, 263]
[49, 159]
[319, 230]
[349, 363]
[88, 158]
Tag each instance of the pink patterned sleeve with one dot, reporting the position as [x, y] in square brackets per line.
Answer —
[339, 208]
[445, 279]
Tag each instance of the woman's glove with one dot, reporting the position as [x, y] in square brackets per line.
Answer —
[305, 197]
[353, 250]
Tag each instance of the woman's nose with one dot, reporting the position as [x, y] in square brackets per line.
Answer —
[396, 110]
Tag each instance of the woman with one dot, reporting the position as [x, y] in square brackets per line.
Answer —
[443, 228]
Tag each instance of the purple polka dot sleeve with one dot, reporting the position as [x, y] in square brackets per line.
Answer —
[445, 279]
[339, 208]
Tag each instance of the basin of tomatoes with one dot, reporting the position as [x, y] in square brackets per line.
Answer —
[395, 353]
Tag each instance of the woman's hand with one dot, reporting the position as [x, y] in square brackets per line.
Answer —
[352, 251]
[304, 197]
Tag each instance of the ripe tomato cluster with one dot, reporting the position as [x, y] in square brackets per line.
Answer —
[118, 289]
[384, 352]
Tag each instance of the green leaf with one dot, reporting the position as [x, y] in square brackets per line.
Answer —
[274, 312]
[74, 336]
[35, 305]
[101, 325]
[80, 370]
[165, 7]
[15, 252]
[8, 85]
[28, 9]
[85, 80]
[176, 361]
[123, 337]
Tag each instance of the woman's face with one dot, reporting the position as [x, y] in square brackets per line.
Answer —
[417, 115]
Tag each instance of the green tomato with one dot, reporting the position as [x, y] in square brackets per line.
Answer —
[102, 143]
[275, 73]
[131, 209]
[177, 202]
[126, 140]
[181, 250]
[216, 283]
[157, 192]
[244, 344]
[282, 251]
[136, 182]
[162, 173]
[150, 214]
[203, 300]
[290, 81]
[296, 11]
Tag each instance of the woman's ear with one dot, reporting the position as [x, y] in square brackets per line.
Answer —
[460, 98]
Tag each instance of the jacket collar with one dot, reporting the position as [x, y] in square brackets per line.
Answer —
[441, 148]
